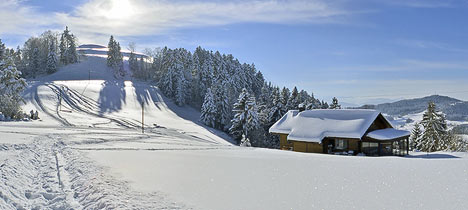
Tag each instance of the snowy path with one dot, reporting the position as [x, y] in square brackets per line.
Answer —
[47, 173]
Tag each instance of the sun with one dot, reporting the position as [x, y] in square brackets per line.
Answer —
[119, 9]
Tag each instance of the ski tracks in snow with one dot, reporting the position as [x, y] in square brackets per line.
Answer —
[47, 174]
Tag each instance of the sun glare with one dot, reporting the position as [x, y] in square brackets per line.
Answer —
[119, 9]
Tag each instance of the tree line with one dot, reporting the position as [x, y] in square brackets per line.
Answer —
[38, 56]
[232, 96]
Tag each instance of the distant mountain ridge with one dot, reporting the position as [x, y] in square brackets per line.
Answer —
[454, 109]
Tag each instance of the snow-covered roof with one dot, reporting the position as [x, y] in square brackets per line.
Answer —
[387, 134]
[95, 49]
[91, 46]
[314, 125]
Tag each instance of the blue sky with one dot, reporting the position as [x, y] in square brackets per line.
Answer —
[360, 51]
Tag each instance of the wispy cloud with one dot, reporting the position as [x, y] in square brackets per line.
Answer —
[422, 3]
[17, 18]
[96, 18]
[423, 44]
[405, 65]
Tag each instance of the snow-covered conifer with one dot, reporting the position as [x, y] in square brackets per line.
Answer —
[293, 100]
[2, 51]
[181, 88]
[51, 66]
[67, 48]
[35, 63]
[276, 111]
[246, 116]
[455, 143]
[133, 64]
[208, 110]
[415, 138]
[115, 57]
[284, 98]
[111, 52]
[435, 130]
[324, 105]
[11, 87]
[335, 104]
[72, 55]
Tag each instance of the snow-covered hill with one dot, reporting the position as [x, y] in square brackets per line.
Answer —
[404, 114]
[88, 152]
[455, 110]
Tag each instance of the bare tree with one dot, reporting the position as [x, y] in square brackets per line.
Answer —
[132, 47]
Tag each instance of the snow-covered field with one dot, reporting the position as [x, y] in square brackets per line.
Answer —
[92, 155]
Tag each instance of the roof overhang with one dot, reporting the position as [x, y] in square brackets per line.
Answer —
[388, 134]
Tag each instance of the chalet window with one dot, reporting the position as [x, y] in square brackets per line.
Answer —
[341, 144]
[370, 148]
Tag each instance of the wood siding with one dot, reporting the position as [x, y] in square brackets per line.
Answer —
[379, 123]
[353, 144]
[284, 144]
[311, 147]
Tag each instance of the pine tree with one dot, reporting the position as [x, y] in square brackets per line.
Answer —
[181, 88]
[72, 55]
[111, 52]
[63, 48]
[2, 51]
[245, 118]
[35, 65]
[11, 87]
[435, 130]
[208, 110]
[335, 104]
[284, 98]
[416, 134]
[276, 110]
[240, 107]
[252, 121]
[51, 59]
[324, 105]
[133, 64]
[115, 57]
[455, 143]
[222, 104]
[293, 100]
[18, 58]
[67, 48]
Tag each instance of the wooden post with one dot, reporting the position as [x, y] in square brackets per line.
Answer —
[142, 117]
[407, 146]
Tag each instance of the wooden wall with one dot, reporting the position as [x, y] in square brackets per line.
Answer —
[379, 123]
[284, 144]
[312, 147]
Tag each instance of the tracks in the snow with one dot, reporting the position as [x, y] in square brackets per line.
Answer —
[47, 174]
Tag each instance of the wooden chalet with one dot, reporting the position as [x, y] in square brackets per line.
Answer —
[340, 131]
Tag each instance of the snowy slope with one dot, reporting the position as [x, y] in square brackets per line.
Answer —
[107, 102]
[92, 155]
